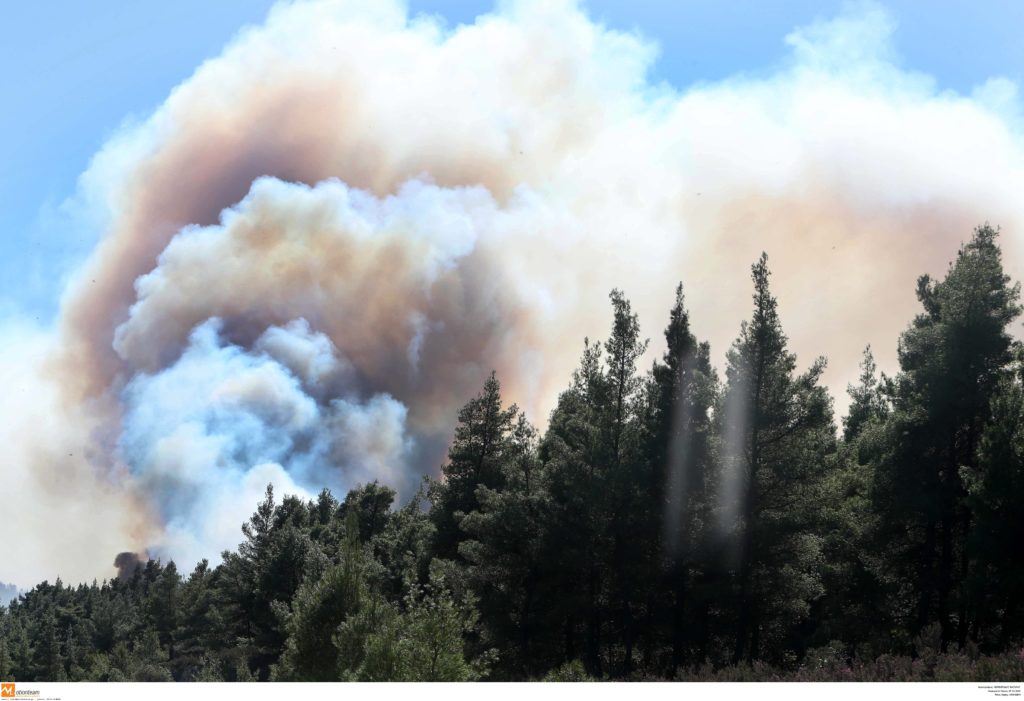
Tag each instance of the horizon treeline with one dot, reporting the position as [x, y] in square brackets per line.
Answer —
[670, 523]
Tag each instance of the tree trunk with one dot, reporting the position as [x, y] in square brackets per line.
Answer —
[593, 626]
[927, 583]
[743, 628]
[678, 608]
[524, 623]
[627, 662]
[705, 629]
[965, 564]
[570, 639]
[945, 581]
[755, 635]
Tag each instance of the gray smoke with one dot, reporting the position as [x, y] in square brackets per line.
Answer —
[127, 564]
[323, 241]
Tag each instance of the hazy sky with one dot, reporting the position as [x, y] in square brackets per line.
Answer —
[73, 72]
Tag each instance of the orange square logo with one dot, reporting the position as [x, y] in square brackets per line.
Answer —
[7, 690]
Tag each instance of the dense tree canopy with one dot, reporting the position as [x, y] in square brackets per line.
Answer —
[665, 525]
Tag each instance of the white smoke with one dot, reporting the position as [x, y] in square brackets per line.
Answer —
[206, 435]
[323, 241]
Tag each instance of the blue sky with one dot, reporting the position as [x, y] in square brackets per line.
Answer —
[72, 72]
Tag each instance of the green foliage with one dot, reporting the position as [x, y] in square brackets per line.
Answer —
[483, 438]
[372, 506]
[430, 644]
[778, 439]
[664, 525]
[867, 401]
[954, 357]
[319, 607]
[368, 643]
[993, 497]
[573, 671]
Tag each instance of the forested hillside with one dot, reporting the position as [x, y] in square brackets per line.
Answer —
[670, 523]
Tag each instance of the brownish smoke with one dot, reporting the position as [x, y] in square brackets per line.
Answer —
[499, 179]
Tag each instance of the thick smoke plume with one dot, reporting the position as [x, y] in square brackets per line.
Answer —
[127, 564]
[317, 248]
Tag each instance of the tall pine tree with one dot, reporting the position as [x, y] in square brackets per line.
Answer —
[778, 440]
[952, 359]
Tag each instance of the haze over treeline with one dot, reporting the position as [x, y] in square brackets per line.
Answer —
[671, 522]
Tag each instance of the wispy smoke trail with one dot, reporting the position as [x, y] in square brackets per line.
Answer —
[317, 248]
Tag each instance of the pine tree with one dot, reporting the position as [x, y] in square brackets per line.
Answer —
[162, 605]
[952, 359]
[200, 629]
[599, 479]
[994, 491]
[6, 667]
[867, 401]
[319, 606]
[431, 643]
[506, 555]
[367, 642]
[372, 504]
[276, 557]
[633, 562]
[476, 457]
[778, 435]
[573, 452]
[683, 388]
